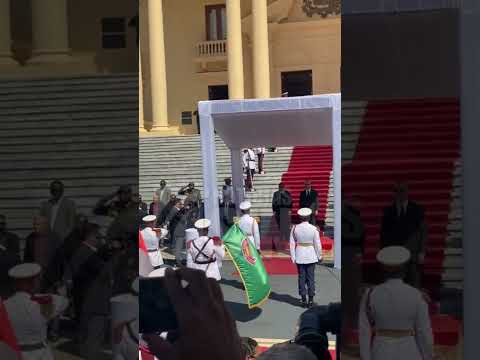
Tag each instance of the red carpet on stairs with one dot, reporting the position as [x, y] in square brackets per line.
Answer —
[416, 141]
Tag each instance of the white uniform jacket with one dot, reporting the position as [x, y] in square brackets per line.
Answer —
[204, 255]
[30, 324]
[151, 240]
[249, 160]
[250, 227]
[395, 305]
[305, 245]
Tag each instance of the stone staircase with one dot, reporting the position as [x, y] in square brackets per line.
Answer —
[81, 130]
[352, 120]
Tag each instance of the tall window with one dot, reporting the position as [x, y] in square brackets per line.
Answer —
[216, 20]
[114, 33]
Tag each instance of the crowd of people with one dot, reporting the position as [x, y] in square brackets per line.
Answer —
[77, 263]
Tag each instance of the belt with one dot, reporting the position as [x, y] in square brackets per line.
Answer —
[32, 347]
[153, 250]
[391, 333]
[304, 244]
[205, 262]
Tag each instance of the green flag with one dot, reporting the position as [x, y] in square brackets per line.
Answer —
[249, 265]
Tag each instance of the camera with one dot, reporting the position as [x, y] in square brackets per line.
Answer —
[314, 326]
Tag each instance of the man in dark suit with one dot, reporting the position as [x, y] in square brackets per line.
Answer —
[281, 206]
[403, 224]
[178, 220]
[309, 199]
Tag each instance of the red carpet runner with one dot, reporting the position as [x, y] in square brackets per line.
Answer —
[416, 141]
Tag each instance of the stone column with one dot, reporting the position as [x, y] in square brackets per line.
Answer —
[158, 74]
[234, 50]
[5, 34]
[261, 61]
[141, 124]
[50, 31]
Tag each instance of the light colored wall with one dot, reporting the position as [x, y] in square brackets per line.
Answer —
[303, 43]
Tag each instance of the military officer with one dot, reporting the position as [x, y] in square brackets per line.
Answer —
[395, 313]
[152, 240]
[125, 324]
[249, 225]
[306, 252]
[204, 253]
[29, 313]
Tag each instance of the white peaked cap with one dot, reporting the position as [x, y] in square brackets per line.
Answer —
[25, 271]
[135, 285]
[304, 212]
[245, 205]
[149, 218]
[202, 224]
[191, 234]
[393, 256]
[160, 272]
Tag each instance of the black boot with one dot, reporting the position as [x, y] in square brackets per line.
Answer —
[304, 301]
[310, 302]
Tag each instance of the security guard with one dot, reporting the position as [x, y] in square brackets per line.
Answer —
[29, 313]
[249, 225]
[152, 240]
[306, 252]
[190, 235]
[204, 253]
[395, 314]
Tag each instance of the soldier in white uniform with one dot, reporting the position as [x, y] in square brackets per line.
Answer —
[152, 240]
[249, 165]
[29, 314]
[204, 253]
[125, 324]
[249, 225]
[306, 252]
[190, 235]
[395, 314]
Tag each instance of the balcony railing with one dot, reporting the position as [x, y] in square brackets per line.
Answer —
[208, 49]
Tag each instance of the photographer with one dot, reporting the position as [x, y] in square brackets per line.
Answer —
[314, 324]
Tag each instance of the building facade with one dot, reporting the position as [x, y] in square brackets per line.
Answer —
[272, 47]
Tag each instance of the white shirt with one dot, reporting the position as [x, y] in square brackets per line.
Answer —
[55, 208]
[211, 250]
[29, 324]
[250, 227]
[305, 233]
[249, 159]
[396, 306]
[151, 240]
[402, 206]
[259, 150]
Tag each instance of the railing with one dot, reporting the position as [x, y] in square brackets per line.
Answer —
[212, 48]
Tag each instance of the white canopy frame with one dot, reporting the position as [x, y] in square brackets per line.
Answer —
[296, 121]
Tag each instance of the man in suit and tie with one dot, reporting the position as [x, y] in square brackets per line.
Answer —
[309, 199]
[59, 210]
[162, 196]
[403, 224]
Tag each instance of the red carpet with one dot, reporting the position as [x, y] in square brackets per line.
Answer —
[278, 267]
[416, 141]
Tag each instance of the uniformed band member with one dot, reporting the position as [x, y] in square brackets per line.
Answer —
[204, 253]
[29, 313]
[152, 240]
[395, 314]
[249, 225]
[306, 252]
[125, 324]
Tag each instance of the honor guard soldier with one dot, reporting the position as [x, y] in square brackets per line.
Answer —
[249, 225]
[204, 253]
[29, 313]
[395, 314]
[190, 235]
[125, 324]
[306, 252]
[152, 240]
